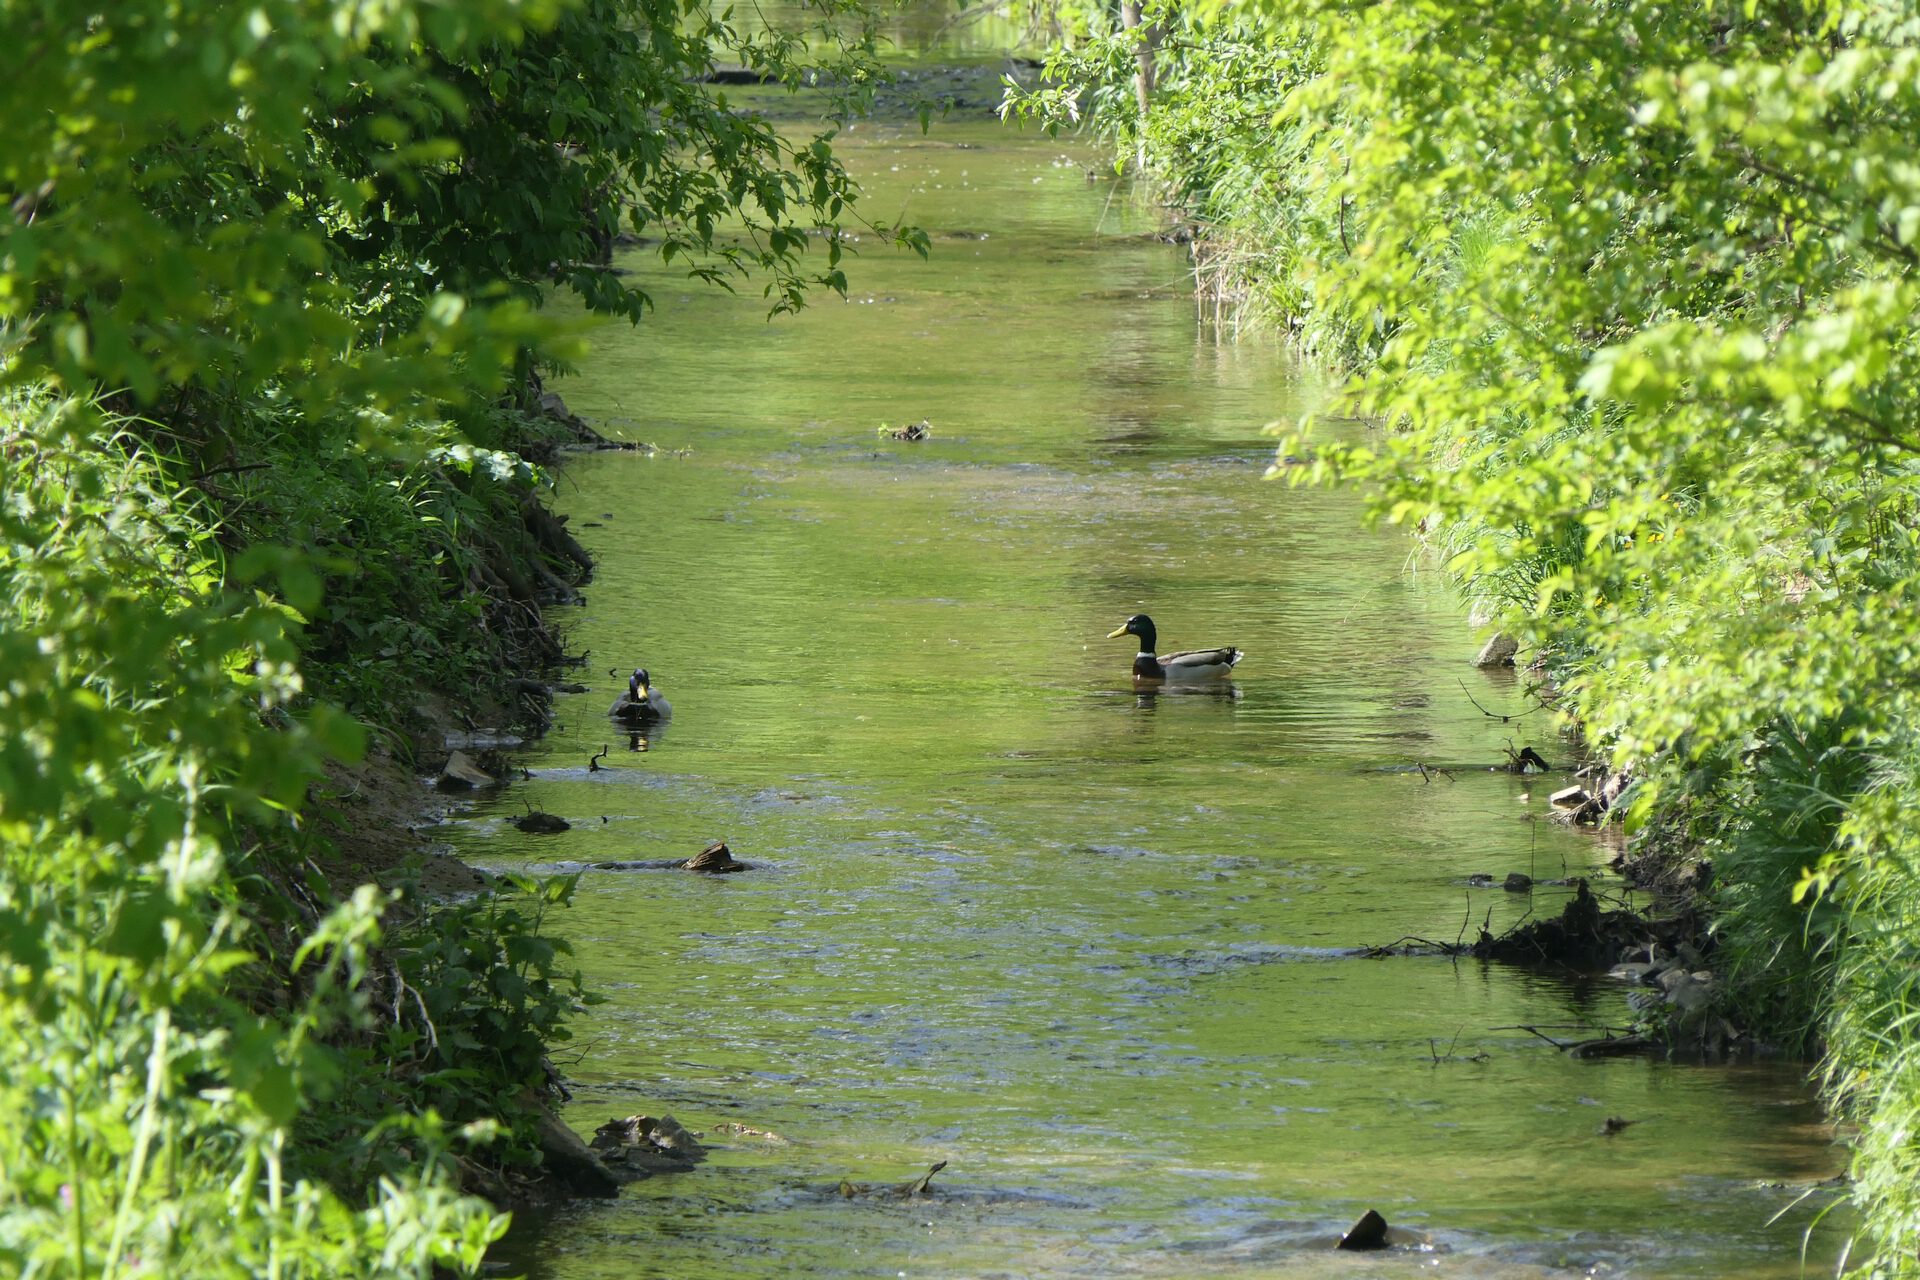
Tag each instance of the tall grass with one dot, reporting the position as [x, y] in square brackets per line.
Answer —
[214, 1066]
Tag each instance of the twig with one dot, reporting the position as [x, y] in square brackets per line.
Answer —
[1374, 953]
[1434, 1048]
[232, 468]
[1532, 1031]
[1495, 715]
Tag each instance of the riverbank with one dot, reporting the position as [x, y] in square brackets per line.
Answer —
[1651, 426]
[271, 449]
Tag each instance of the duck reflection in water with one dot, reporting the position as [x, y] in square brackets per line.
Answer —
[1222, 694]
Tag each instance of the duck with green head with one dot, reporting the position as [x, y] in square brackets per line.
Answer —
[641, 701]
[1191, 666]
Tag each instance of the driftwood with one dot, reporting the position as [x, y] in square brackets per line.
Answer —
[901, 1191]
[1606, 1046]
[715, 859]
[1582, 936]
[1587, 934]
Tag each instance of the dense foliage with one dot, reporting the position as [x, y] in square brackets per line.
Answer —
[1629, 291]
[269, 286]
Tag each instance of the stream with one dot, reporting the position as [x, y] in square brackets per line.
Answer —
[1087, 946]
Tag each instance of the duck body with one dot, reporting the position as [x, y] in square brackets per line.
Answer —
[641, 701]
[1190, 666]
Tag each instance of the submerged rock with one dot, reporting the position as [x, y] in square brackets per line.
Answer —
[748, 1131]
[462, 773]
[1517, 882]
[542, 824]
[1688, 991]
[636, 1147]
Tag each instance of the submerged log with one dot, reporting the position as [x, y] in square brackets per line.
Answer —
[572, 1162]
[1613, 1047]
[739, 75]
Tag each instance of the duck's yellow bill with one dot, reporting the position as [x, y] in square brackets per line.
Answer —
[1115, 635]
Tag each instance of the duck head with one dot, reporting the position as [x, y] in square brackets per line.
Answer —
[1138, 625]
[637, 687]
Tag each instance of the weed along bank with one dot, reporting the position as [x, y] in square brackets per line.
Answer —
[709, 643]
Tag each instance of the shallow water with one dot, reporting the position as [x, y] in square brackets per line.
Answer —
[1085, 946]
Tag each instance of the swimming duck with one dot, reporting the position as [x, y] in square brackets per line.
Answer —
[641, 701]
[1179, 668]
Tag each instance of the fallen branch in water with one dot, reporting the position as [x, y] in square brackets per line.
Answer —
[1395, 949]
[1495, 715]
[1533, 1031]
[1607, 1046]
[1433, 1047]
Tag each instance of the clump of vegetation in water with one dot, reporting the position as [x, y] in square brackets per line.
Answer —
[1629, 297]
[268, 352]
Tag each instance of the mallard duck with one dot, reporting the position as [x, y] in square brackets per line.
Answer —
[641, 701]
[1179, 668]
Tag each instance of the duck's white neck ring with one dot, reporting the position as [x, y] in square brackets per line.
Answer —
[1144, 653]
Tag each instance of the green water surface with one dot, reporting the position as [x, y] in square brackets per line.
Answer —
[1084, 945]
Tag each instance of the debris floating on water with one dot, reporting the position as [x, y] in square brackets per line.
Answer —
[920, 1186]
[1368, 1233]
